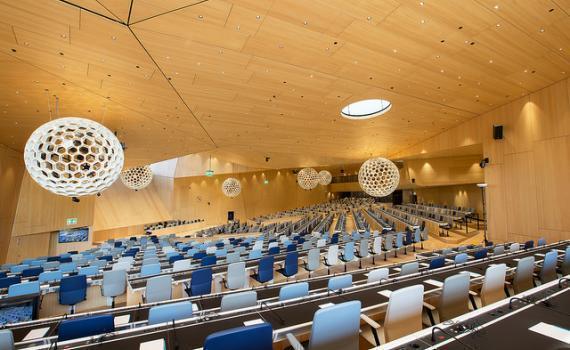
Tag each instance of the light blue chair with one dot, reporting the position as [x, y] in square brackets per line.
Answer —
[24, 289]
[347, 253]
[340, 282]
[334, 327]
[236, 276]
[548, 270]
[170, 312]
[410, 268]
[239, 300]
[149, 270]
[541, 242]
[67, 267]
[296, 290]
[158, 288]
[89, 271]
[19, 268]
[254, 254]
[6, 339]
[50, 276]
[461, 258]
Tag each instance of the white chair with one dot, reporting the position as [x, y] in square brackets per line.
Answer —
[453, 300]
[236, 276]
[377, 275]
[181, 265]
[114, 284]
[524, 275]
[493, 284]
[238, 300]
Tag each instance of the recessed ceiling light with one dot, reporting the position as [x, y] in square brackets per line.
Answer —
[258, 17]
[421, 3]
[496, 7]
[395, 50]
[366, 109]
[498, 25]
[369, 18]
[490, 61]
[541, 30]
[423, 21]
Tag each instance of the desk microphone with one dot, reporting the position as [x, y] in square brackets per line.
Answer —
[273, 312]
[448, 334]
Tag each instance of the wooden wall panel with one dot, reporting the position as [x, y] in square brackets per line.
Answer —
[465, 196]
[11, 171]
[445, 171]
[28, 246]
[120, 206]
[42, 211]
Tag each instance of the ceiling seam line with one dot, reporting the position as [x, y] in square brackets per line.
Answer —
[172, 86]
[130, 11]
[111, 12]
[167, 12]
[93, 12]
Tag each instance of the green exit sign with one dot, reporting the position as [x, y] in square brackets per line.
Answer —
[71, 221]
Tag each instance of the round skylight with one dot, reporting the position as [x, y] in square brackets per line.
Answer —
[366, 109]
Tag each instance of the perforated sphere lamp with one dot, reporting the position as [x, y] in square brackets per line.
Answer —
[137, 178]
[308, 178]
[231, 187]
[73, 157]
[325, 177]
[378, 177]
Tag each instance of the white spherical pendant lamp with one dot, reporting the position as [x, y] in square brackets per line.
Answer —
[231, 187]
[73, 157]
[325, 177]
[308, 178]
[378, 177]
[137, 178]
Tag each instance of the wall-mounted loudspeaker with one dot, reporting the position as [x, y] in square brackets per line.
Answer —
[498, 132]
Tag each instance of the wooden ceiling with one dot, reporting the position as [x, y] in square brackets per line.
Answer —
[252, 78]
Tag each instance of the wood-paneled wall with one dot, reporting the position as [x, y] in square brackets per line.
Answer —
[528, 188]
[465, 196]
[11, 171]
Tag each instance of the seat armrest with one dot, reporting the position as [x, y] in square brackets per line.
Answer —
[429, 306]
[370, 321]
[473, 293]
[295, 344]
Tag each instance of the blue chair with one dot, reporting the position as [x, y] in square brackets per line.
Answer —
[480, 254]
[528, 244]
[32, 271]
[175, 258]
[53, 258]
[50, 276]
[85, 327]
[72, 290]
[437, 263]
[200, 282]
[541, 242]
[106, 257]
[340, 282]
[149, 270]
[209, 260]
[199, 255]
[292, 247]
[67, 267]
[291, 265]
[265, 269]
[273, 250]
[19, 268]
[347, 254]
[256, 337]
[170, 312]
[296, 290]
[24, 289]
[254, 254]
[8, 281]
[2, 274]
[65, 259]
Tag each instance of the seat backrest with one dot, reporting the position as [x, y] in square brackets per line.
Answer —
[480, 254]
[454, 300]
[399, 239]
[389, 242]
[493, 285]
[548, 270]
[436, 263]
[541, 242]
[232, 257]
[321, 242]
[340, 282]
[239, 300]
[377, 275]
[254, 254]
[159, 288]
[363, 248]
[32, 271]
[24, 289]
[265, 269]
[150, 261]
[291, 264]
[523, 279]
[377, 247]
[85, 327]
[209, 260]
[49, 276]
[313, 259]
[404, 313]
[8, 281]
[6, 339]
[181, 265]
[410, 268]
[114, 283]
[72, 289]
[170, 312]
[149, 270]
[417, 235]
[461, 258]
[256, 337]
[348, 251]
[515, 247]
[236, 275]
[295, 290]
[125, 266]
[201, 282]
[89, 270]
[332, 255]
[566, 262]
[500, 249]
[336, 327]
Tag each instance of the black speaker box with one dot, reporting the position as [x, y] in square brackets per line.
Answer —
[498, 132]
